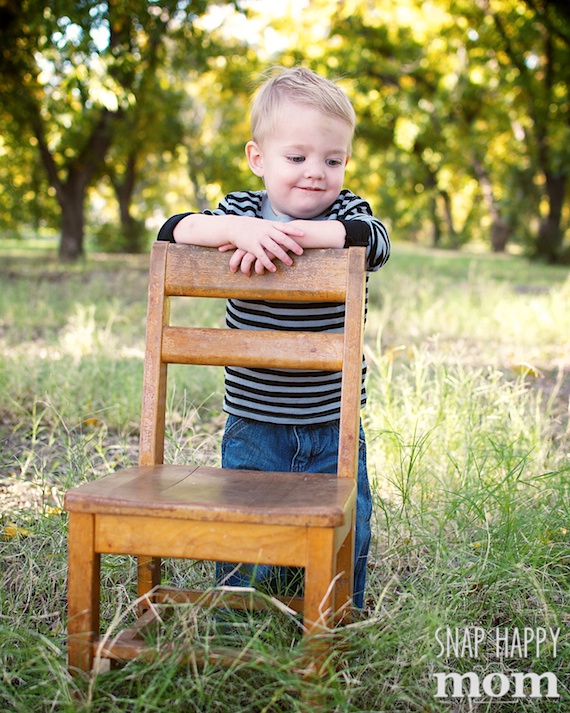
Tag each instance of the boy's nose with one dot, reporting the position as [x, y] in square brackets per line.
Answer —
[314, 169]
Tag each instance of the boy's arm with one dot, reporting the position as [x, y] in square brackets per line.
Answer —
[311, 234]
[265, 240]
[350, 222]
[321, 233]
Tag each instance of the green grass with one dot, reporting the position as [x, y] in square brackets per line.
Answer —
[469, 442]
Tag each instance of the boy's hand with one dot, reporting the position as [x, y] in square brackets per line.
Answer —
[244, 261]
[307, 234]
[259, 242]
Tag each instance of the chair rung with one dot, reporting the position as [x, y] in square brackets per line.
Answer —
[120, 649]
[253, 348]
[318, 276]
[129, 644]
[226, 596]
[148, 621]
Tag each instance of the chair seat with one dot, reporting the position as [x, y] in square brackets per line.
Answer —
[203, 493]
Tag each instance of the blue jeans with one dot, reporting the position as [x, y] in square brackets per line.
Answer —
[257, 445]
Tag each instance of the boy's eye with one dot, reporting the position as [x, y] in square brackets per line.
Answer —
[334, 162]
[296, 159]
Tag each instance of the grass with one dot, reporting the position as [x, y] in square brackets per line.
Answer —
[468, 430]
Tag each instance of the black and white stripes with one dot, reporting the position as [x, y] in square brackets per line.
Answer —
[292, 396]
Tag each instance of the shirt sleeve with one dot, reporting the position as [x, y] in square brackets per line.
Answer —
[167, 230]
[237, 203]
[362, 228]
[357, 233]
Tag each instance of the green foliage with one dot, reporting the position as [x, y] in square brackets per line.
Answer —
[464, 138]
[92, 85]
[108, 238]
[463, 113]
[27, 204]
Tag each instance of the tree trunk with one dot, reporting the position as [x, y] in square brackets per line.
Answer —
[550, 236]
[453, 239]
[431, 185]
[132, 230]
[72, 202]
[501, 230]
[436, 227]
[80, 172]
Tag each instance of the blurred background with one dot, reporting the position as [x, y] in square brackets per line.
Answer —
[115, 115]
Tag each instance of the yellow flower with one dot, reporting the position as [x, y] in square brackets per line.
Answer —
[12, 530]
[53, 511]
[525, 368]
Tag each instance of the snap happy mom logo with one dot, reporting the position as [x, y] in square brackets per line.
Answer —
[501, 644]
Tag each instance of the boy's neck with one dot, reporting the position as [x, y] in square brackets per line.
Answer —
[268, 213]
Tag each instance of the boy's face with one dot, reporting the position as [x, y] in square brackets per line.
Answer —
[302, 162]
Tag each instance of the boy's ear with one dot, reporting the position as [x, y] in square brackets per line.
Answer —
[254, 158]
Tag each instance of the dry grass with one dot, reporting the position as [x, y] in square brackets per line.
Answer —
[468, 426]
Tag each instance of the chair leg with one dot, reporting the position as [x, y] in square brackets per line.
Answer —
[319, 574]
[83, 591]
[318, 610]
[344, 589]
[149, 576]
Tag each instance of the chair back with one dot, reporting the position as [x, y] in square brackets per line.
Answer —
[316, 276]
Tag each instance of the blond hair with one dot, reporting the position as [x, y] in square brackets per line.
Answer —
[301, 86]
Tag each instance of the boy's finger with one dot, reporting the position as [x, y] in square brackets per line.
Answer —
[247, 261]
[289, 229]
[290, 243]
[280, 252]
[259, 267]
[235, 259]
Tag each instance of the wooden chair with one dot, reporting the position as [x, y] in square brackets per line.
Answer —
[204, 513]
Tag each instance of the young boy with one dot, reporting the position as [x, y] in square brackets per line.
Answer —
[284, 420]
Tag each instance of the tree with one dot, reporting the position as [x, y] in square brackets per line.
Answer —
[218, 118]
[192, 115]
[72, 73]
[26, 200]
[537, 44]
[149, 128]
[464, 110]
[407, 93]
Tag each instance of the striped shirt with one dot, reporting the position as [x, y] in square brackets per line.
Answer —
[283, 395]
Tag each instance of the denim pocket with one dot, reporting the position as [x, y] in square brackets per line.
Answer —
[234, 424]
[245, 444]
